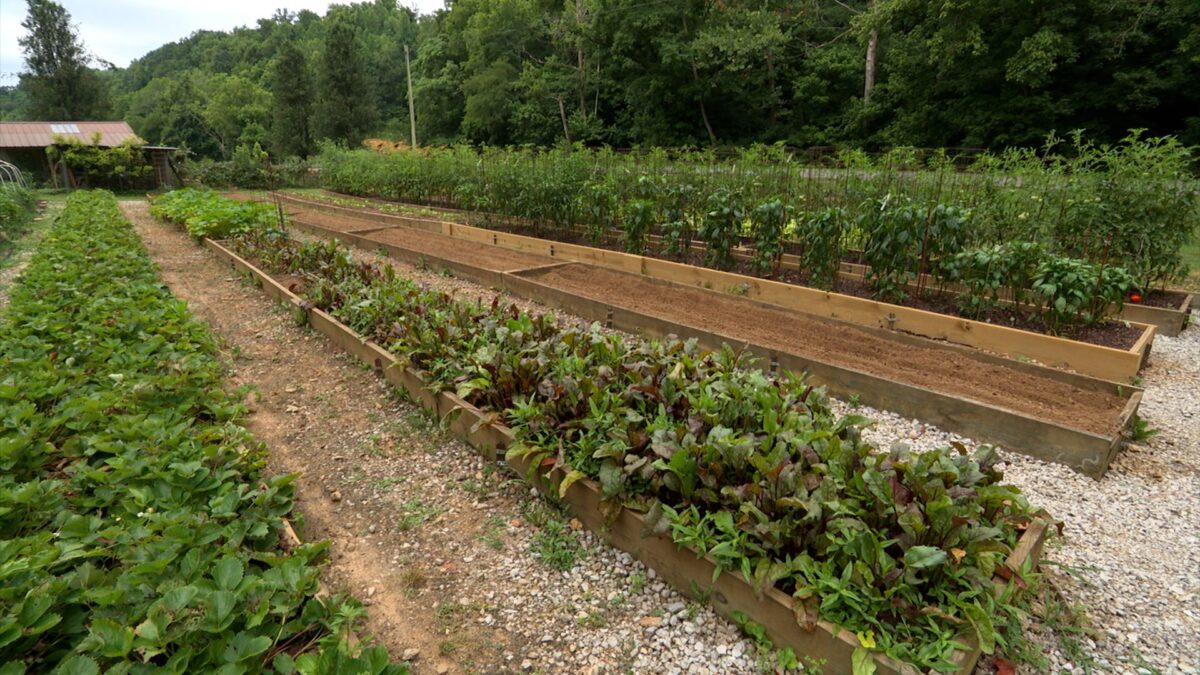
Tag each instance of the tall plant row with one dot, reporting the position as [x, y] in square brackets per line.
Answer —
[1117, 213]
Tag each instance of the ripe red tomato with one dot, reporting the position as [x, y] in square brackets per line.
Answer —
[1135, 297]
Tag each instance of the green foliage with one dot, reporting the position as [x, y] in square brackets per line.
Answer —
[345, 105]
[58, 81]
[137, 528]
[767, 223]
[911, 216]
[1071, 292]
[16, 210]
[291, 89]
[821, 239]
[207, 214]
[121, 167]
[722, 227]
[638, 219]
[756, 472]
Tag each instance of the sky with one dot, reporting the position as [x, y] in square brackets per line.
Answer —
[122, 30]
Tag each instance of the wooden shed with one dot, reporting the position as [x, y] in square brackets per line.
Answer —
[24, 144]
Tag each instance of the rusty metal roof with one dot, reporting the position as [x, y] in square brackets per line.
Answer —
[41, 134]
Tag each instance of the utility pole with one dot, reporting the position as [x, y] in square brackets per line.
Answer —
[412, 114]
[872, 45]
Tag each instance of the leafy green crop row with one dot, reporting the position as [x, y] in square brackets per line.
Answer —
[207, 214]
[138, 531]
[898, 546]
[16, 209]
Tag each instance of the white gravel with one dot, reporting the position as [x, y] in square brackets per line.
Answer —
[1130, 555]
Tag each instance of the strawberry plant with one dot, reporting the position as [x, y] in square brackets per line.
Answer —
[138, 530]
[207, 214]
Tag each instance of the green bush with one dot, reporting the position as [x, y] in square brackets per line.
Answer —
[207, 214]
[17, 207]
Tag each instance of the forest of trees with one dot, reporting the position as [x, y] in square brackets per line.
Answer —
[866, 73]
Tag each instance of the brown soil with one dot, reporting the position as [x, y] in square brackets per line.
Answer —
[486, 256]
[840, 344]
[1116, 334]
[369, 466]
[337, 223]
[1167, 299]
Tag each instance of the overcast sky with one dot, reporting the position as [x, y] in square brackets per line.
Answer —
[122, 30]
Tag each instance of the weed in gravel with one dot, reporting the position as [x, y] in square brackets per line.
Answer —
[387, 482]
[414, 513]
[1140, 430]
[1140, 665]
[492, 533]
[556, 546]
[1069, 623]
[593, 619]
[637, 581]
[412, 581]
[447, 647]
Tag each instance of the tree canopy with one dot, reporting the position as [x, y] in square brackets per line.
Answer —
[949, 73]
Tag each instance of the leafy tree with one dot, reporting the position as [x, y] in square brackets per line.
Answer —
[59, 82]
[345, 107]
[292, 90]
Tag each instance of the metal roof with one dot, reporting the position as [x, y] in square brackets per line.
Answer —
[41, 134]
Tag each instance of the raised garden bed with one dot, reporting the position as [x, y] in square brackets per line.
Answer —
[1168, 310]
[1108, 363]
[1047, 413]
[624, 528]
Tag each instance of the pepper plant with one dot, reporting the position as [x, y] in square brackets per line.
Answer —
[721, 227]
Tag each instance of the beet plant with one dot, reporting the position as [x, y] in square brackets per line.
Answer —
[902, 548]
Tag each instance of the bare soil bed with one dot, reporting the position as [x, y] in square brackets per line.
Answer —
[1114, 334]
[844, 345]
[486, 256]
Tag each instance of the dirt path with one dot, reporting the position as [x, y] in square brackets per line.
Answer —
[18, 259]
[460, 568]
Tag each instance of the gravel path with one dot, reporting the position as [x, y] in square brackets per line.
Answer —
[465, 586]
